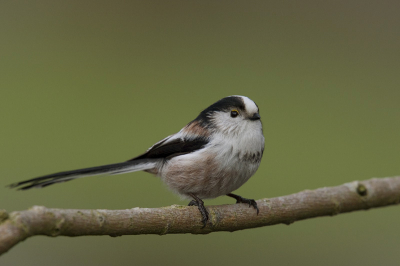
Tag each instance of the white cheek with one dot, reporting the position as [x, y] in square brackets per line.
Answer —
[227, 124]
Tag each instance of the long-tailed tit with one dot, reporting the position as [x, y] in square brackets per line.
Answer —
[211, 156]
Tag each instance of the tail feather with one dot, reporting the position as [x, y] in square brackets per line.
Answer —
[110, 169]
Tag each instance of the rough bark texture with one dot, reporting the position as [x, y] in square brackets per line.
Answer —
[357, 195]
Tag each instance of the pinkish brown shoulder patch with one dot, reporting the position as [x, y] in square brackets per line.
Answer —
[195, 128]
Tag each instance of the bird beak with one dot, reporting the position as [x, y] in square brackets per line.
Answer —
[256, 116]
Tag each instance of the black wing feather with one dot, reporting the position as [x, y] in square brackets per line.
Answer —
[173, 148]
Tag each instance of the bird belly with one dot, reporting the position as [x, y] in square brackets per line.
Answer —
[202, 173]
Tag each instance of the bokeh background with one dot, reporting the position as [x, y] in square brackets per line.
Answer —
[85, 83]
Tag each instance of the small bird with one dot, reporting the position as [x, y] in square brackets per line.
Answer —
[213, 155]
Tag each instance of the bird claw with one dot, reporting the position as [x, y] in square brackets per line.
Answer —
[240, 199]
[202, 209]
[251, 202]
[193, 203]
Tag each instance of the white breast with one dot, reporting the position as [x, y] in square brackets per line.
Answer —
[221, 167]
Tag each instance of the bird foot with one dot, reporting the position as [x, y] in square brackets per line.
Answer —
[203, 211]
[240, 199]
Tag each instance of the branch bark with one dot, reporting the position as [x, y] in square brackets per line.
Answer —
[358, 195]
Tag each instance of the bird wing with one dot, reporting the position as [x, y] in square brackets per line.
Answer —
[173, 146]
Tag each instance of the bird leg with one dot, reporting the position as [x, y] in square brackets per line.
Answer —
[240, 199]
[200, 204]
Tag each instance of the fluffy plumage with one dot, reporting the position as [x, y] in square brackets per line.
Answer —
[213, 155]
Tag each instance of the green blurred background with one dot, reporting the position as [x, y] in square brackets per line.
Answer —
[85, 83]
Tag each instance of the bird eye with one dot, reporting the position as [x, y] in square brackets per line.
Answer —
[234, 113]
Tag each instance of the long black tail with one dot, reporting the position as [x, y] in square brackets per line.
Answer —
[110, 169]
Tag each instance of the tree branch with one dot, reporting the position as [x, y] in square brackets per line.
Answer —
[357, 195]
